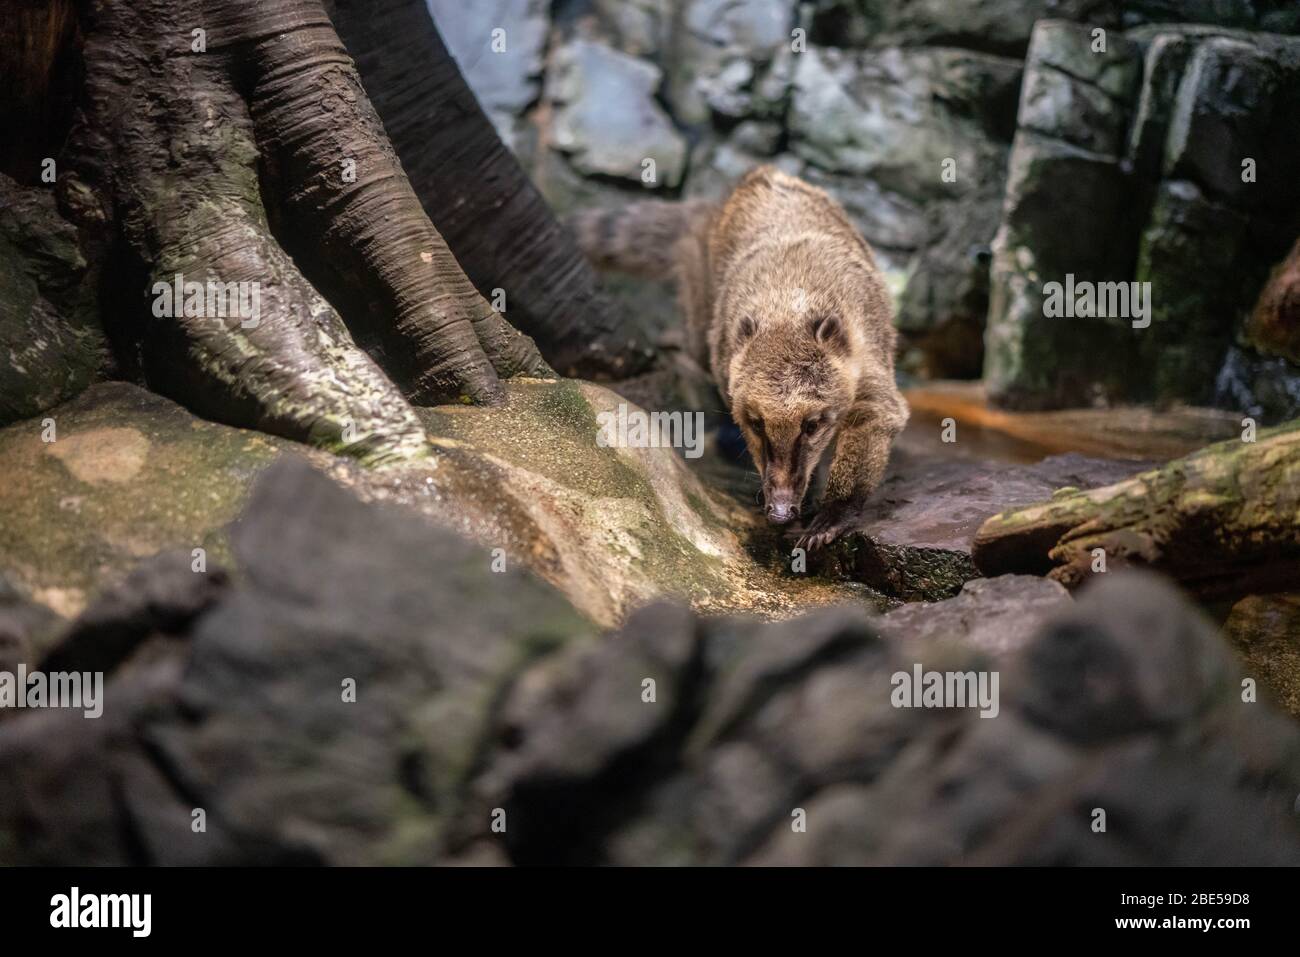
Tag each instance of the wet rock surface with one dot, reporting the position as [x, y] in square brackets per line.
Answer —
[1135, 433]
[359, 690]
[921, 523]
[131, 474]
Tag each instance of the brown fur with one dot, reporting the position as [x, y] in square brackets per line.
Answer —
[641, 238]
[785, 305]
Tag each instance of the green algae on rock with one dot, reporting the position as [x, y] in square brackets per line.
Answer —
[130, 474]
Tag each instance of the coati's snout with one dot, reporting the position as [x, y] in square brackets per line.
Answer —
[781, 505]
[784, 481]
[782, 494]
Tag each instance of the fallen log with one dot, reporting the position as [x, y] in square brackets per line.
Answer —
[1223, 521]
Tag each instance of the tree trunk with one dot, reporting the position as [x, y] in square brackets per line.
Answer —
[222, 141]
[496, 223]
[1224, 521]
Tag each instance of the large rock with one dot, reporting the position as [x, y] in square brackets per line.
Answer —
[896, 115]
[914, 143]
[1229, 101]
[729, 57]
[1277, 16]
[944, 297]
[643, 28]
[921, 523]
[1005, 26]
[895, 226]
[1067, 156]
[131, 474]
[241, 708]
[128, 474]
[1213, 229]
[1180, 182]
[1163, 65]
[1188, 254]
[994, 615]
[999, 26]
[607, 121]
[1076, 93]
[1033, 359]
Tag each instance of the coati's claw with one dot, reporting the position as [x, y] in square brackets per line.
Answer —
[832, 522]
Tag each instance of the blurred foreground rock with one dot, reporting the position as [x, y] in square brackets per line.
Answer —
[239, 708]
[363, 689]
[992, 615]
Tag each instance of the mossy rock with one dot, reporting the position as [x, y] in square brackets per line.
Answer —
[129, 474]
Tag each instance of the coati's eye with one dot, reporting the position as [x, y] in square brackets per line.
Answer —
[810, 426]
[756, 424]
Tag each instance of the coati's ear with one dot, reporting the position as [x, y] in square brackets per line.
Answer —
[748, 326]
[828, 330]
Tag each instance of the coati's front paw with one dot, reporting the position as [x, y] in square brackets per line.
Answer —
[833, 520]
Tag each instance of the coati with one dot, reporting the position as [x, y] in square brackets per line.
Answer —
[785, 306]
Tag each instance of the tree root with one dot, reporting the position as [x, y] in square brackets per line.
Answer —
[231, 142]
[504, 236]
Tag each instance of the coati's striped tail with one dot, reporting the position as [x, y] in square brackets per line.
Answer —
[639, 238]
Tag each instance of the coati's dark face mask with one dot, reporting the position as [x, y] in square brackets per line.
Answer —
[787, 394]
[786, 445]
